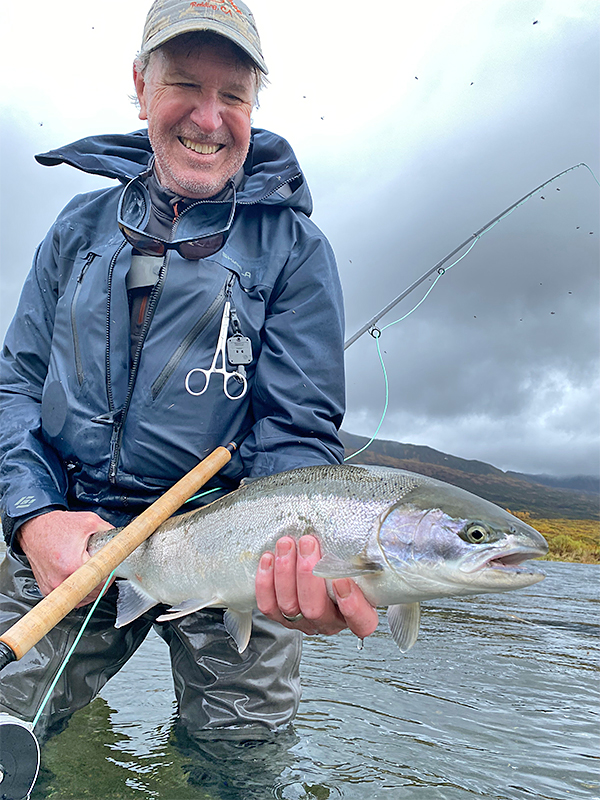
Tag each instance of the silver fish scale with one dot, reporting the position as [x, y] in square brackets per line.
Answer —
[209, 557]
[342, 504]
[330, 480]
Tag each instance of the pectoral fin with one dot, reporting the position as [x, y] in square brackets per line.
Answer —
[187, 607]
[333, 567]
[404, 621]
[132, 602]
[238, 625]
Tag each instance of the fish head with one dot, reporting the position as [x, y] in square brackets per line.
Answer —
[442, 540]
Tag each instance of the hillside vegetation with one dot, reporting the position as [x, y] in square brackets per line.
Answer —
[568, 519]
[568, 539]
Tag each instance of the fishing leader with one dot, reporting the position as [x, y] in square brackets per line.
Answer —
[193, 304]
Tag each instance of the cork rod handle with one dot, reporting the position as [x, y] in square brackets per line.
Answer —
[25, 633]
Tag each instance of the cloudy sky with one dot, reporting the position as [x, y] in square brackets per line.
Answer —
[415, 124]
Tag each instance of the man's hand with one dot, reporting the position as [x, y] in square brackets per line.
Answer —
[286, 586]
[56, 545]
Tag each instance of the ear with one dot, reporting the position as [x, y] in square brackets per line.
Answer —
[140, 90]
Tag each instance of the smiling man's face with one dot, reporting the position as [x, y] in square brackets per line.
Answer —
[198, 104]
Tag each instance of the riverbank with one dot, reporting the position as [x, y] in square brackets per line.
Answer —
[574, 540]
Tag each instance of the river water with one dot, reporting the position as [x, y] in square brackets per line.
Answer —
[498, 699]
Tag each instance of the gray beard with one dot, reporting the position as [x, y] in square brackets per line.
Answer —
[195, 187]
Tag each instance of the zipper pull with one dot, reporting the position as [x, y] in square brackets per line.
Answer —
[109, 418]
[235, 321]
[229, 286]
[114, 443]
[88, 260]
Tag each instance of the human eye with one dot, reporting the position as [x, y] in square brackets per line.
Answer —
[234, 99]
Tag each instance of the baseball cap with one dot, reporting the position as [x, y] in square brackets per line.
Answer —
[170, 18]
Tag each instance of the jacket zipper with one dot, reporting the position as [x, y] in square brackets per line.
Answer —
[191, 337]
[76, 347]
[207, 317]
[117, 417]
[109, 392]
[268, 194]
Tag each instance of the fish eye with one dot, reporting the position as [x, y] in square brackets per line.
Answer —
[475, 533]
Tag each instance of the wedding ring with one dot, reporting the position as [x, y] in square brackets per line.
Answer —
[296, 618]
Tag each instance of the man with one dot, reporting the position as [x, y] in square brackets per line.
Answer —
[107, 398]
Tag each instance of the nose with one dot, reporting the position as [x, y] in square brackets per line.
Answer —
[207, 114]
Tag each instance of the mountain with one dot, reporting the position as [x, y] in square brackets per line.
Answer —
[540, 495]
[579, 483]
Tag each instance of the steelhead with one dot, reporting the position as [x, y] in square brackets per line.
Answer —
[401, 536]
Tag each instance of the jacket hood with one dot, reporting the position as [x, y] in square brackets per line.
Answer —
[273, 176]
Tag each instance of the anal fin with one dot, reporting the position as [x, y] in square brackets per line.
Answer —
[187, 607]
[404, 621]
[238, 625]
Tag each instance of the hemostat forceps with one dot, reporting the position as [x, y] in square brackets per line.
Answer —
[222, 370]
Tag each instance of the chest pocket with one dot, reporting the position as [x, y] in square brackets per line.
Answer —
[188, 341]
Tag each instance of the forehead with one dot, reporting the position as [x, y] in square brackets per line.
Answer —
[195, 59]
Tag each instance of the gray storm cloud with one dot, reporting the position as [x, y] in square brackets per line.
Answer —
[407, 153]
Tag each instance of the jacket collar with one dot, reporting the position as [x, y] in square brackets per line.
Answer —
[272, 174]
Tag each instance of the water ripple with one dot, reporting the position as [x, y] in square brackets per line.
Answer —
[498, 700]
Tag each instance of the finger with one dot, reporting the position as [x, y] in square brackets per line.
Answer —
[103, 525]
[266, 599]
[88, 599]
[102, 588]
[92, 522]
[92, 596]
[315, 604]
[359, 614]
[285, 577]
[95, 525]
[100, 525]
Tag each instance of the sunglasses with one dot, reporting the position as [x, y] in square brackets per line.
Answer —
[213, 217]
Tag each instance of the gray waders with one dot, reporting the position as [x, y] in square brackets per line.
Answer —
[220, 692]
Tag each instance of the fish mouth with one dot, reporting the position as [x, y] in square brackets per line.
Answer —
[505, 561]
[512, 560]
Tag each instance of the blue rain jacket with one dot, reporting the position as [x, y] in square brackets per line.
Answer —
[79, 430]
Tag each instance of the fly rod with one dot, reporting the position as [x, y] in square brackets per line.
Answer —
[370, 325]
[25, 633]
